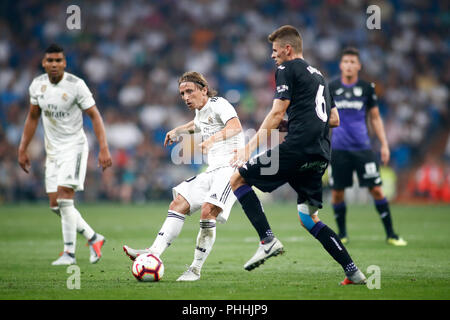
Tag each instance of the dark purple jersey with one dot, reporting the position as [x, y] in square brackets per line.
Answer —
[353, 102]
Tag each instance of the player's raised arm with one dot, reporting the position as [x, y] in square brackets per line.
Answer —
[104, 157]
[31, 124]
[172, 135]
[378, 127]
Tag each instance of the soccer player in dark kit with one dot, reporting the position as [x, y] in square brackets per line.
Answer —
[350, 144]
[303, 157]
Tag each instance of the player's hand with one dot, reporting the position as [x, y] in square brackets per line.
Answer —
[240, 157]
[104, 159]
[385, 154]
[283, 126]
[206, 145]
[24, 161]
[171, 137]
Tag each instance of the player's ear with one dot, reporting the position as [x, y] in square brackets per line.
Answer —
[289, 49]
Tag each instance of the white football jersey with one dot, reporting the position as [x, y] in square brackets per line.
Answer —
[211, 119]
[61, 105]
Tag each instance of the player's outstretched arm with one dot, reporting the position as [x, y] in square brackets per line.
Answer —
[272, 121]
[172, 135]
[232, 128]
[378, 127]
[104, 157]
[31, 124]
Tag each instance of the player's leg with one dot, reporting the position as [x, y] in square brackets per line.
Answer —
[65, 197]
[172, 226]
[309, 219]
[341, 177]
[188, 197]
[251, 174]
[369, 176]
[340, 212]
[383, 209]
[95, 240]
[169, 231]
[252, 206]
[52, 196]
[83, 227]
[205, 241]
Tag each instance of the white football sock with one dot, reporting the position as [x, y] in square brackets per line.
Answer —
[83, 228]
[68, 223]
[170, 229]
[205, 241]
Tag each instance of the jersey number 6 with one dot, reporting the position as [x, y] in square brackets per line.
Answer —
[321, 106]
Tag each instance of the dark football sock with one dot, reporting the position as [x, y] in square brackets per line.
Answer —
[340, 211]
[254, 211]
[331, 242]
[382, 207]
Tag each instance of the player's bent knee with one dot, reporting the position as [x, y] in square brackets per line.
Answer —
[306, 221]
[65, 193]
[236, 180]
[210, 211]
[337, 196]
[308, 216]
[180, 205]
[377, 192]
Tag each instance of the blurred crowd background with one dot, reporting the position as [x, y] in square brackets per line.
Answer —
[130, 53]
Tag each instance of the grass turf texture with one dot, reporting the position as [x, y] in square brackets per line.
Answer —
[30, 237]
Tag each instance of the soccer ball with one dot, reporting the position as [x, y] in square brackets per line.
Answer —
[148, 268]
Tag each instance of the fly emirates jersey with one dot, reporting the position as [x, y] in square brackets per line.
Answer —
[61, 104]
[211, 119]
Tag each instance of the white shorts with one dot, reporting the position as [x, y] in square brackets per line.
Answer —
[212, 187]
[68, 169]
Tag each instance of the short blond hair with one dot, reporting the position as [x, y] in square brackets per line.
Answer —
[199, 80]
[287, 35]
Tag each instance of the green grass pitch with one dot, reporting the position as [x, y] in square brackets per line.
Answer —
[30, 237]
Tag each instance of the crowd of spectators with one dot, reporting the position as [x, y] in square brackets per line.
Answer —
[130, 53]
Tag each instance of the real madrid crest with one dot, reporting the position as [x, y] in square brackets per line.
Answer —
[43, 88]
[65, 96]
[357, 91]
[210, 120]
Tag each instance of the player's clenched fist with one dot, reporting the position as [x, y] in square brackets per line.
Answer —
[104, 159]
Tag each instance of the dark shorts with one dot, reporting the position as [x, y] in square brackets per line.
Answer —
[364, 162]
[278, 166]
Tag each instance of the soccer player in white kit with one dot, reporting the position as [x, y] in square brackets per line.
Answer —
[61, 97]
[209, 191]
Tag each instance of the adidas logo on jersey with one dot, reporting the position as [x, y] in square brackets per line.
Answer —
[214, 196]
